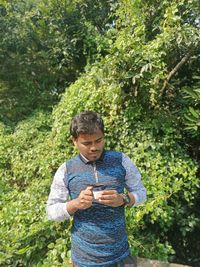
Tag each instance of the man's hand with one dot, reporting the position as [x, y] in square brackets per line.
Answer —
[82, 202]
[111, 198]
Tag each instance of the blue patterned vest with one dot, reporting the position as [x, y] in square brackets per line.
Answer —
[98, 234]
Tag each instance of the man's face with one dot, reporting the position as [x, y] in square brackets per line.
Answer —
[90, 145]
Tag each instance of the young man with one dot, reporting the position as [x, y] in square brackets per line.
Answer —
[90, 188]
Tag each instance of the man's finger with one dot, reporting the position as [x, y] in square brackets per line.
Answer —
[109, 192]
[106, 197]
[89, 188]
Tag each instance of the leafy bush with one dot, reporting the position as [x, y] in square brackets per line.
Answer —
[168, 172]
[44, 47]
[26, 237]
[191, 109]
[22, 151]
[131, 88]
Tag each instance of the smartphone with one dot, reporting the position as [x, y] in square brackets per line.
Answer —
[98, 190]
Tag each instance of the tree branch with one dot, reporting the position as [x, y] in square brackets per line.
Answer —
[175, 69]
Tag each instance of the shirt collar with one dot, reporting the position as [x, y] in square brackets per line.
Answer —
[84, 159]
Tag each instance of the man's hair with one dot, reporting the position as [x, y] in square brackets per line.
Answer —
[86, 122]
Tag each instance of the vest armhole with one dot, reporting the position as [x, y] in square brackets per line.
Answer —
[65, 179]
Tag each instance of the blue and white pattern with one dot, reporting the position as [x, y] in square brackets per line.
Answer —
[98, 234]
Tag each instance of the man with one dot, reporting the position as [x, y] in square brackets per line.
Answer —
[99, 237]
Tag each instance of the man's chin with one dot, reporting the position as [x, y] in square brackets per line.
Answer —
[94, 157]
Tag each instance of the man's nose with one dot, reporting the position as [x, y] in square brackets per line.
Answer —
[93, 147]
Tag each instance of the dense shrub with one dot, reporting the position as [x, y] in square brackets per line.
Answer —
[168, 172]
[144, 117]
[26, 237]
[22, 151]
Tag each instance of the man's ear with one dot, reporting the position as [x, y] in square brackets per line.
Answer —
[74, 141]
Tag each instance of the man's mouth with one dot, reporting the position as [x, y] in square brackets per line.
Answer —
[94, 153]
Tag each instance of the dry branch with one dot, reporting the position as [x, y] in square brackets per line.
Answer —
[175, 69]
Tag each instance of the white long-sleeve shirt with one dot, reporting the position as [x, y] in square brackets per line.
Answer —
[59, 195]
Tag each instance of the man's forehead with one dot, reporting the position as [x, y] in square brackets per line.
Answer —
[90, 137]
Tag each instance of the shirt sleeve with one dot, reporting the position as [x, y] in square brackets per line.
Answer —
[56, 207]
[133, 180]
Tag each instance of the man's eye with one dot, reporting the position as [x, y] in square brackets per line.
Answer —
[86, 144]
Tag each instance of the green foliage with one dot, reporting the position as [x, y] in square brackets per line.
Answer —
[145, 59]
[170, 178]
[44, 47]
[26, 237]
[132, 50]
[168, 172]
[22, 151]
[192, 109]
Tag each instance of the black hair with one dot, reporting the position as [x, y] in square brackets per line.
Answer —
[86, 122]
